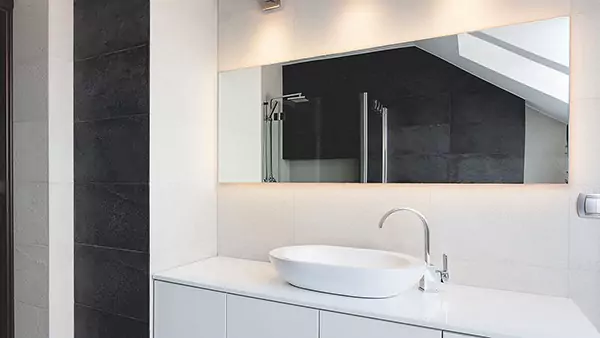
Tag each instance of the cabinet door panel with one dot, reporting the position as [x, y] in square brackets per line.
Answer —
[254, 318]
[334, 325]
[185, 312]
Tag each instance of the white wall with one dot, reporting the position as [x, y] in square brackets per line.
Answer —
[545, 148]
[501, 217]
[60, 168]
[183, 126]
[306, 28]
[43, 168]
[241, 126]
[584, 156]
[525, 238]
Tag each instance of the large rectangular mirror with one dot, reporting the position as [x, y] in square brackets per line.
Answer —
[481, 107]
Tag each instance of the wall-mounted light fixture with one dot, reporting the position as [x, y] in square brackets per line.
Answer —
[268, 5]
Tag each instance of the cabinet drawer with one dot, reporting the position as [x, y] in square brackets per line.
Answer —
[334, 325]
[254, 318]
[185, 312]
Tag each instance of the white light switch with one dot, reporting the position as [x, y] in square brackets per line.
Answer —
[588, 206]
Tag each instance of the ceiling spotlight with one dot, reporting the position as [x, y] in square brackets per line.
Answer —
[268, 5]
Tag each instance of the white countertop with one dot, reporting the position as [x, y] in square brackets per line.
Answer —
[469, 310]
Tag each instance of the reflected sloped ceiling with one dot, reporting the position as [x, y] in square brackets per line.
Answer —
[529, 60]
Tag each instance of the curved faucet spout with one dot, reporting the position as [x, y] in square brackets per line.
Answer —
[427, 252]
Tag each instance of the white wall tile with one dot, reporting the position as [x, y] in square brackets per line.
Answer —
[584, 138]
[183, 125]
[584, 236]
[60, 120]
[510, 276]
[522, 225]
[31, 34]
[30, 321]
[30, 151]
[348, 215]
[43, 152]
[586, 293]
[31, 275]
[585, 67]
[61, 260]
[254, 220]
[182, 225]
[30, 91]
[31, 213]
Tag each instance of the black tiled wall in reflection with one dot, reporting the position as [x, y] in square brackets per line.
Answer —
[445, 125]
[111, 168]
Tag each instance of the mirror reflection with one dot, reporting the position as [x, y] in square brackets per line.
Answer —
[481, 107]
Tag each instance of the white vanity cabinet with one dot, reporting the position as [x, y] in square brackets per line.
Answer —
[335, 325]
[186, 312]
[255, 318]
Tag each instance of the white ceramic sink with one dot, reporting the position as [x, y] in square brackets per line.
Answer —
[347, 271]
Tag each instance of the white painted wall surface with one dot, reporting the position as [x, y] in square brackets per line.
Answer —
[307, 28]
[60, 168]
[183, 127]
[183, 133]
[584, 156]
[241, 126]
[545, 148]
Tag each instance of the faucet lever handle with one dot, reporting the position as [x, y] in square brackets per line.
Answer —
[444, 273]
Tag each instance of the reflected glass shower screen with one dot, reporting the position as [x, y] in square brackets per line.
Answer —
[373, 140]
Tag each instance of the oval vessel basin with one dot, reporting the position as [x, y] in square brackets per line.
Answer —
[344, 271]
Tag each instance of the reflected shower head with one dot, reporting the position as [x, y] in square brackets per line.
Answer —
[289, 99]
[298, 99]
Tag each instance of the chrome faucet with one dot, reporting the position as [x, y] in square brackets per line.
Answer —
[425, 284]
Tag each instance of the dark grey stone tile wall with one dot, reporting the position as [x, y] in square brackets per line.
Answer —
[113, 150]
[112, 280]
[112, 85]
[110, 25]
[111, 136]
[93, 323]
[112, 215]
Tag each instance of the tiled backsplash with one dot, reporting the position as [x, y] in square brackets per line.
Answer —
[505, 237]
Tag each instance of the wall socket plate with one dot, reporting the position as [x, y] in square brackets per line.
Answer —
[588, 206]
